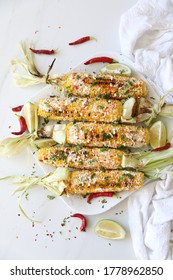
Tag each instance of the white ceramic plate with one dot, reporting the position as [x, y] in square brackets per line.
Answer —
[78, 203]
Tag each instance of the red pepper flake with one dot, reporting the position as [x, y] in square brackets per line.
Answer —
[23, 126]
[84, 223]
[94, 195]
[49, 52]
[17, 109]
[82, 40]
[165, 147]
[100, 59]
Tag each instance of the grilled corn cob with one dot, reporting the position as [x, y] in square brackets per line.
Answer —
[102, 85]
[73, 108]
[86, 181]
[102, 135]
[81, 157]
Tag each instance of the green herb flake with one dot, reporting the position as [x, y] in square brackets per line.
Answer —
[78, 148]
[106, 136]
[104, 149]
[92, 175]
[103, 201]
[100, 107]
[102, 169]
[51, 197]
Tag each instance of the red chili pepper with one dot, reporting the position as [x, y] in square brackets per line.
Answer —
[100, 59]
[165, 147]
[84, 223]
[82, 40]
[17, 109]
[93, 195]
[23, 126]
[43, 51]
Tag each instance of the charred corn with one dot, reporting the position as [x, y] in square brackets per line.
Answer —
[86, 181]
[102, 85]
[86, 109]
[81, 157]
[101, 135]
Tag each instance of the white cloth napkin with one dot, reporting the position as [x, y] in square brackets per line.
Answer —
[146, 37]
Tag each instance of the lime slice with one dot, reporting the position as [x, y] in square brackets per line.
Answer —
[30, 114]
[117, 69]
[157, 135]
[44, 142]
[128, 108]
[109, 229]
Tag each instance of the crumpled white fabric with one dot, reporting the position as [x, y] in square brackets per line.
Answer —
[146, 37]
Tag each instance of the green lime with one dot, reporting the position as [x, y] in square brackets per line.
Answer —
[117, 69]
[158, 135]
[30, 114]
[109, 229]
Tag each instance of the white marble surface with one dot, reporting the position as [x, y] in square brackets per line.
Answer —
[52, 24]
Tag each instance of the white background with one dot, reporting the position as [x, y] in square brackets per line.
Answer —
[52, 24]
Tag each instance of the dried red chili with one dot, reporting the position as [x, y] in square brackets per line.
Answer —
[94, 195]
[82, 40]
[84, 223]
[23, 126]
[17, 109]
[100, 59]
[43, 51]
[165, 147]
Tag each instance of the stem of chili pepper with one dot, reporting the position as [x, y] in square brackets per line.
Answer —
[165, 147]
[94, 195]
[82, 40]
[100, 59]
[23, 126]
[17, 109]
[84, 223]
[43, 51]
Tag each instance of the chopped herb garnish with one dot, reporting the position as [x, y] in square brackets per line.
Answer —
[93, 175]
[78, 147]
[104, 149]
[106, 136]
[92, 160]
[102, 169]
[101, 107]
[51, 197]
[123, 137]
[127, 91]
[103, 201]
[122, 71]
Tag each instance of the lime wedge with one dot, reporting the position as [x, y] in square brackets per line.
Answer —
[117, 69]
[158, 135]
[109, 229]
[30, 114]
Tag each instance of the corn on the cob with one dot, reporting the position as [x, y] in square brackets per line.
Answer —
[86, 109]
[102, 85]
[81, 157]
[106, 135]
[86, 181]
